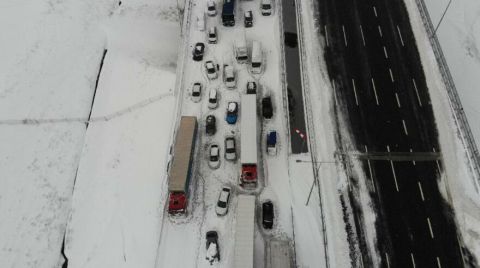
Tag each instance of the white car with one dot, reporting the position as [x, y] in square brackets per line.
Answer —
[230, 149]
[211, 8]
[211, 70]
[214, 156]
[266, 7]
[212, 35]
[196, 92]
[223, 200]
[212, 99]
[229, 76]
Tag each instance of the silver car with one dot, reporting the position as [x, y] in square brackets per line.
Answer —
[230, 149]
[214, 157]
[223, 200]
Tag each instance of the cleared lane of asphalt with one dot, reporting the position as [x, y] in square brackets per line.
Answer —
[372, 43]
[294, 78]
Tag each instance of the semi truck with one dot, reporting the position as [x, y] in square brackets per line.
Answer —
[248, 141]
[228, 13]
[244, 232]
[181, 169]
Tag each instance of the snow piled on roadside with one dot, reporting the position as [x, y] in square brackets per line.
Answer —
[50, 52]
[332, 178]
[457, 184]
[121, 179]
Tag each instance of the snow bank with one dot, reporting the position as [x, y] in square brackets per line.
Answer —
[50, 53]
[459, 35]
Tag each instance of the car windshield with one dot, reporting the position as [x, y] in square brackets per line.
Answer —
[212, 100]
[230, 79]
[210, 69]
[222, 204]
[266, 6]
[214, 158]
[196, 93]
[212, 35]
[211, 8]
[256, 64]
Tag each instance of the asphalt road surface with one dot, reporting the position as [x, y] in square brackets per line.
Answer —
[294, 79]
[373, 62]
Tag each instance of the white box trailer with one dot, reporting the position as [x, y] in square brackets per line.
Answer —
[244, 232]
[248, 140]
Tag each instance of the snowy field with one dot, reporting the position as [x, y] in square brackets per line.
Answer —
[51, 53]
[116, 204]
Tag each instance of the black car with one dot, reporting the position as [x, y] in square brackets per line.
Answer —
[211, 126]
[267, 109]
[251, 87]
[198, 51]
[267, 215]
[248, 22]
[213, 249]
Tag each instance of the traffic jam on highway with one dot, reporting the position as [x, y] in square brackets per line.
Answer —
[226, 102]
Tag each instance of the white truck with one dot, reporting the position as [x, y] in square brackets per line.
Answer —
[248, 141]
[257, 58]
[244, 232]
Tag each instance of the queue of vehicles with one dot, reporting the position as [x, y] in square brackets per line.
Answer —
[180, 173]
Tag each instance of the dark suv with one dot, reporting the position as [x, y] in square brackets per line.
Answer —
[267, 215]
[267, 109]
[210, 126]
[198, 51]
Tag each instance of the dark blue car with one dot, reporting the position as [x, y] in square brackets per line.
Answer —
[232, 113]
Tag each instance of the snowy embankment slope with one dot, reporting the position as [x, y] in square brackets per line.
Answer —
[459, 35]
[50, 53]
[332, 181]
[457, 184]
[116, 211]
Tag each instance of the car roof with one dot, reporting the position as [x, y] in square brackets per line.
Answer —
[223, 195]
[232, 106]
[213, 93]
[214, 149]
[230, 142]
[212, 29]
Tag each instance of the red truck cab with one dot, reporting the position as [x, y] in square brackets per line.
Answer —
[177, 203]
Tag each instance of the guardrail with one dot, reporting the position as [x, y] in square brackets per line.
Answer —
[310, 126]
[466, 135]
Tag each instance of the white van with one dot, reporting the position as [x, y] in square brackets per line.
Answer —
[266, 7]
[240, 49]
[257, 58]
[212, 99]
